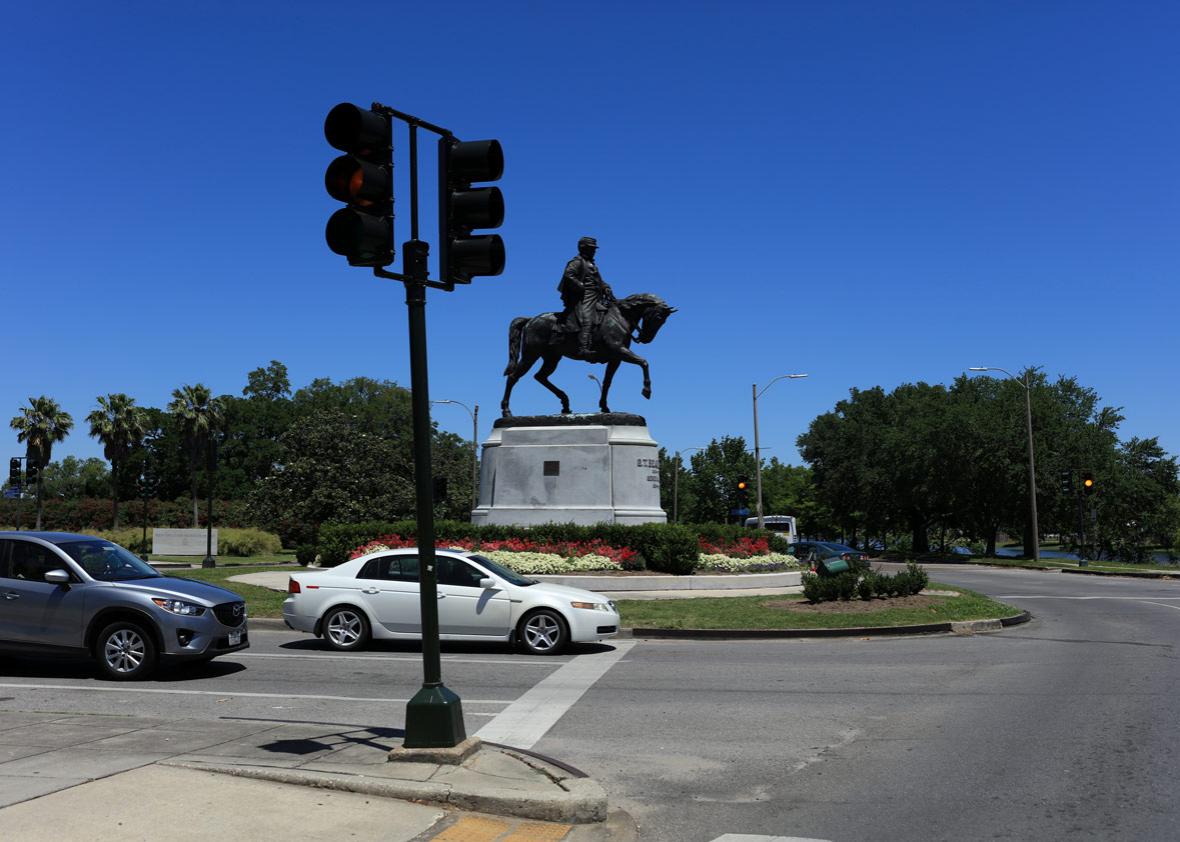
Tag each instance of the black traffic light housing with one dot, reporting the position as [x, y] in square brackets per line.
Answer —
[14, 472]
[462, 208]
[439, 490]
[743, 492]
[32, 471]
[1067, 483]
[363, 180]
[1087, 484]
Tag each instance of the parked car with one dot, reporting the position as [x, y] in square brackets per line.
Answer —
[376, 597]
[815, 552]
[77, 594]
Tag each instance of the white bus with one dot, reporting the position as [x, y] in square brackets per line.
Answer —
[783, 525]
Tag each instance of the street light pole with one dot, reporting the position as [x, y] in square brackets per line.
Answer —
[1032, 465]
[756, 392]
[474, 448]
[676, 483]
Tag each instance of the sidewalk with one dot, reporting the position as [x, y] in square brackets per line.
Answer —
[99, 777]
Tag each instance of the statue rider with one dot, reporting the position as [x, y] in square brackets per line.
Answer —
[586, 296]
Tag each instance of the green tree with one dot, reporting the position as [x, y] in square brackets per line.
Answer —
[39, 426]
[269, 383]
[713, 482]
[332, 470]
[73, 478]
[119, 424]
[198, 415]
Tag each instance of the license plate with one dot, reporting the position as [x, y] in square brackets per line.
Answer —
[235, 638]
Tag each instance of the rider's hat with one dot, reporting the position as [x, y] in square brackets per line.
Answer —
[588, 241]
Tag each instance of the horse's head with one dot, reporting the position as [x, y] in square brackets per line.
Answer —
[652, 319]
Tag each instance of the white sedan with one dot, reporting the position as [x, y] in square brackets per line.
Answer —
[375, 597]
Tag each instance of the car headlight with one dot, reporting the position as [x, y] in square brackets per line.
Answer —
[178, 606]
[591, 606]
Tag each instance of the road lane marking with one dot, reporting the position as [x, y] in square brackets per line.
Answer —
[1162, 604]
[524, 722]
[91, 688]
[416, 659]
[750, 837]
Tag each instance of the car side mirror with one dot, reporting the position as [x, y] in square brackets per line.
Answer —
[487, 583]
[57, 577]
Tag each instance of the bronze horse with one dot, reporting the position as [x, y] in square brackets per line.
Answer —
[637, 317]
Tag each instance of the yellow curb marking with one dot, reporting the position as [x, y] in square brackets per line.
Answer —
[535, 832]
[473, 829]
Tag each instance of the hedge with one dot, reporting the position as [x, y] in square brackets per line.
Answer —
[665, 548]
[93, 514]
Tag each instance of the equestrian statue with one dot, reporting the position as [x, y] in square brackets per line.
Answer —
[594, 327]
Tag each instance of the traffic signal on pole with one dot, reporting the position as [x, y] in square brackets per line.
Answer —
[462, 208]
[440, 489]
[1067, 483]
[743, 493]
[362, 179]
[32, 471]
[14, 472]
[1087, 484]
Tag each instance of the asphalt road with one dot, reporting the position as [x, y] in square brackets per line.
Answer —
[1060, 728]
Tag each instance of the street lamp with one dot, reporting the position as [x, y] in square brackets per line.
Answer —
[757, 450]
[474, 445]
[1032, 467]
[676, 483]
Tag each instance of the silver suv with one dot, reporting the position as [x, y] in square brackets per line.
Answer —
[84, 595]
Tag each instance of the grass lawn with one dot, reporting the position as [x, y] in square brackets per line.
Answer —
[260, 602]
[759, 612]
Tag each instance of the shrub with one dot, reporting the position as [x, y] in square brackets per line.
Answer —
[667, 548]
[917, 577]
[247, 542]
[866, 588]
[305, 554]
[130, 538]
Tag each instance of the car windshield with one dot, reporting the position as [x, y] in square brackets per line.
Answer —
[509, 576]
[840, 548]
[108, 562]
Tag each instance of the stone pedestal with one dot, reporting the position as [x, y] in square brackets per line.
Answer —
[585, 469]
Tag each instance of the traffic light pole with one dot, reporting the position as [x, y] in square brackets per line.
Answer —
[434, 716]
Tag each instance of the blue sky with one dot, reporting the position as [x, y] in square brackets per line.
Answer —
[870, 193]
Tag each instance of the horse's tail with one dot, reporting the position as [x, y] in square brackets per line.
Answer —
[515, 331]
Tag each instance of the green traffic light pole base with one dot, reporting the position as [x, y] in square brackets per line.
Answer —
[434, 719]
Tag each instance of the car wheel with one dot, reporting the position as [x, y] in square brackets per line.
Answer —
[346, 628]
[125, 651]
[543, 632]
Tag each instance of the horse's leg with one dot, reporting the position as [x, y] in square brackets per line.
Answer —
[548, 366]
[628, 356]
[520, 370]
[611, 368]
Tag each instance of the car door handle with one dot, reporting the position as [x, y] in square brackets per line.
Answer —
[442, 596]
[11, 595]
[370, 590]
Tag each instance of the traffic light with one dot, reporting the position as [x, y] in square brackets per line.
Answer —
[440, 490]
[462, 208]
[32, 471]
[363, 180]
[743, 493]
[1067, 483]
[14, 472]
[1087, 484]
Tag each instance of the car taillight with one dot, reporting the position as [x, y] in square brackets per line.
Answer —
[293, 586]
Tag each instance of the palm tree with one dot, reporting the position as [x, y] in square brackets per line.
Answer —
[119, 424]
[198, 414]
[39, 426]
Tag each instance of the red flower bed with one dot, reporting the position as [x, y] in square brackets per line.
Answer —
[741, 548]
[622, 556]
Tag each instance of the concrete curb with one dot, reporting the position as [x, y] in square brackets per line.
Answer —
[583, 800]
[1126, 574]
[957, 627]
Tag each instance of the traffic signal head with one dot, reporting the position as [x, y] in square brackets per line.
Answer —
[363, 180]
[32, 471]
[1067, 482]
[743, 492]
[1087, 483]
[462, 208]
[14, 478]
[439, 489]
